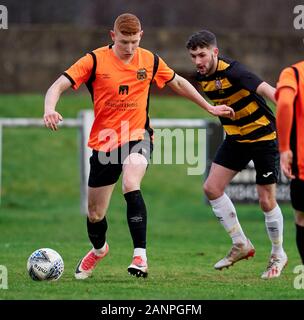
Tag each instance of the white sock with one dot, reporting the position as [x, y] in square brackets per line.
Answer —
[225, 211]
[100, 251]
[140, 252]
[274, 227]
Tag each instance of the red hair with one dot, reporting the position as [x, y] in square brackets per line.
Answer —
[127, 24]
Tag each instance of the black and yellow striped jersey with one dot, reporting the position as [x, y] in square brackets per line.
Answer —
[235, 86]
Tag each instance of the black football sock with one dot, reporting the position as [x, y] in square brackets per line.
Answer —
[300, 240]
[137, 218]
[97, 232]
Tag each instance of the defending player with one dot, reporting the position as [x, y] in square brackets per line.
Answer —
[250, 135]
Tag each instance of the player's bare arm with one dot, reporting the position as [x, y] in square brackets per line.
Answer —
[51, 117]
[267, 91]
[184, 88]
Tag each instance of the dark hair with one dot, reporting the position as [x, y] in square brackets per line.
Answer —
[202, 39]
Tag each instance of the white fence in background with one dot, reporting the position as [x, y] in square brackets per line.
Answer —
[84, 123]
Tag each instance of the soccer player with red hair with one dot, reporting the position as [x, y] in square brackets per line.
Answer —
[119, 77]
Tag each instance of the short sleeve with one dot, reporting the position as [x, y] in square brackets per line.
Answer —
[287, 79]
[80, 71]
[163, 74]
[244, 78]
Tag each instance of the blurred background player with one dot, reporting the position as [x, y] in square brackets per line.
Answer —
[290, 119]
[250, 136]
[119, 78]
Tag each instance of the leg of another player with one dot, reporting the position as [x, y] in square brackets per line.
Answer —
[296, 195]
[274, 226]
[134, 169]
[299, 220]
[273, 216]
[223, 208]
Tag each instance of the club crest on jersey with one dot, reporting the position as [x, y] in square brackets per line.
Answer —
[142, 74]
[218, 84]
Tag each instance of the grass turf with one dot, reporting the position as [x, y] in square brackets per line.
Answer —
[40, 208]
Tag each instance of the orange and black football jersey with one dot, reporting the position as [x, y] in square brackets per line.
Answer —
[235, 87]
[120, 93]
[294, 78]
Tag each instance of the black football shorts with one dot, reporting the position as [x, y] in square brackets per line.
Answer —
[264, 154]
[106, 167]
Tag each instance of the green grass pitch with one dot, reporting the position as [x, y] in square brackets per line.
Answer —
[41, 208]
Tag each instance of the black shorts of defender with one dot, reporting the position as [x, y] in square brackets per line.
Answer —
[106, 167]
[296, 194]
[264, 154]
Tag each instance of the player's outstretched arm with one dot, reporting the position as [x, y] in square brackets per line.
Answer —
[186, 89]
[267, 91]
[51, 117]
[285, 102]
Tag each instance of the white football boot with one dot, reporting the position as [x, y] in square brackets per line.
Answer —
[239, 251]
[275, 266]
